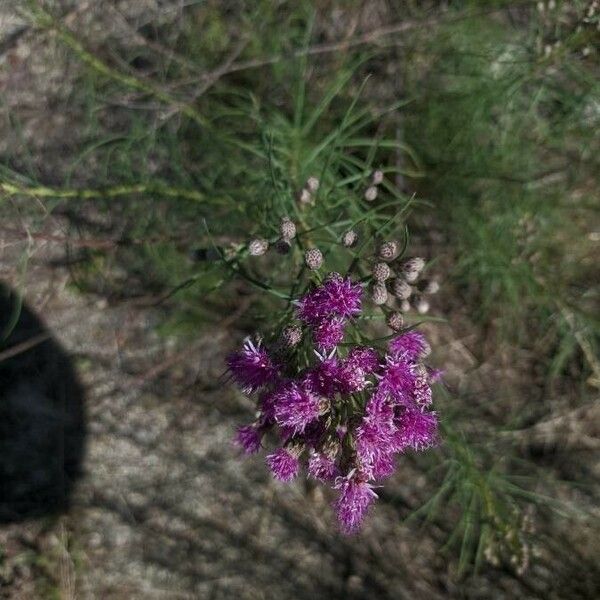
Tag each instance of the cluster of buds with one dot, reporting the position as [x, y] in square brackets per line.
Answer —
[344, 411]
[372, 191]
[287, 230]
[307, 194]
[402, 280]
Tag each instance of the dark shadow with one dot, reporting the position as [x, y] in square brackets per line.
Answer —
[42, 425]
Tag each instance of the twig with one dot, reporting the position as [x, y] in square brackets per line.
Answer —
[158, 48]
[369, 37]
[36, 340]
[11, 189]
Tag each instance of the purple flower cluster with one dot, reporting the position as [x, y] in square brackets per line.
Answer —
[326, 309]
[347, 413]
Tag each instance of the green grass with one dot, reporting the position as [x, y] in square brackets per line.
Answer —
[510, 155]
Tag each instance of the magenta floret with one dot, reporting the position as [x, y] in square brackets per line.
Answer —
[363, 358]
[248, 437]
[416, 430]
[328, 333]
[411, 345]
[356, 495]
[337, 297]
[324, 377]
[398, 380]
[296, 406]
[322, 467]
[283, 464]
[252, 367]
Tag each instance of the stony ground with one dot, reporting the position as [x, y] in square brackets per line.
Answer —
[166, 508]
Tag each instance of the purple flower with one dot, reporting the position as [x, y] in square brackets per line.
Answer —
[324, 378]
[249, 437]
[355, 497]
[374, 438]
[411, 345]
[354, 369]
[383, 466]
[372, 445]
[398, 380]
[328, 333]
[283, 464]
[336, 297]
[266, 403]
[251, 367]
[350, 379]
[322, 467]
[365, 359]
[379, 410]
[296, 406]
[415, 429]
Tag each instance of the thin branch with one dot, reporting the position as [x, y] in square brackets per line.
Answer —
[10, 189]
[369, 37]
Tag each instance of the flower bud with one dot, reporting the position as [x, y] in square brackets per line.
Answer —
[333, 276]
[349, 238]
[422, 305]
[287, 229]
[395, 321]
[258, 247]
[412, 268]
[430, 286]
[371, 193]
[283, 246]
[291, 335]
[305, 197]
[377, 177]
[401, 289]
[379, 293]
[388, 250]
[381, 271]
[405, 306]
[313, 258]
[312, 184]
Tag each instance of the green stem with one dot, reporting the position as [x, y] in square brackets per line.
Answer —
[11, 189]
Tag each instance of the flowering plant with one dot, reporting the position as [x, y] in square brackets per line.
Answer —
[343, 407]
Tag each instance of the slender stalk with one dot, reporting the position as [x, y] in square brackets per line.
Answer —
[10, 189]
